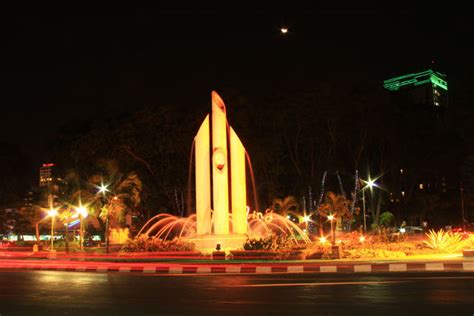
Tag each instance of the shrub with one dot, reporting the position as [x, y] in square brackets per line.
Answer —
[272, 242]
[386, 219]
[153, 244]
[445, 241]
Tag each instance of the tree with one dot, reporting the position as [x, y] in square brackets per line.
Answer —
[286, 206]
[337, 206]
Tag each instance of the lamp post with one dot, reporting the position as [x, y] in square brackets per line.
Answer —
[369, 184]
[52, 213]
[103, 190]
[331, 220]
[82, 211]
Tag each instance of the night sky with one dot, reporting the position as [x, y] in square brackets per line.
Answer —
[58, 68]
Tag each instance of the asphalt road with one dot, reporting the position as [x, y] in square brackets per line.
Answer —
[81, 293]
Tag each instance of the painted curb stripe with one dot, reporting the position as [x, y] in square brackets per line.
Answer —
[263, 270]
[237, 269]
[217, 269]
[380, 267]
[434, 267]
[232, 269]
[415, 267]
[248, 269]
[345, 268]
[189, 269]
[363, 268]
[149, 269]
[173, 270]
[295, 269]
[328, 269]
[279, 269]
[453, 266]
[203, 270]
[397, 267]
[468, 266]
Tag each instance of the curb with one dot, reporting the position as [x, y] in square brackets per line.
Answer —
[248, 268]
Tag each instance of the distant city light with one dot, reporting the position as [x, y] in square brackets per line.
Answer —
[322, 240]
[306, 218]
[331, 217]
[284, 30]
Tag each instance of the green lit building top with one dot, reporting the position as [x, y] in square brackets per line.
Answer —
[427, 87]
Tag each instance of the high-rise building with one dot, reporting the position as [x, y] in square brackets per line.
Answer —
[46, 174]
[428, 88]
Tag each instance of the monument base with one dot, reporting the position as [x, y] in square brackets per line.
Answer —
[209, 243]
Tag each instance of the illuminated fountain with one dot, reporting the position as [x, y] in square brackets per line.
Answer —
[222, 217]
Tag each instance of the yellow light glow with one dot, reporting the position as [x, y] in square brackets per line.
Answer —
[322, 240]
[362, 238]
[52, 212]
[306, 218]
[330, 217]
[284, 30]
[82, 211]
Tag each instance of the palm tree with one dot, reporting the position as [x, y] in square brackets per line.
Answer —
[109, 207]
[337, 206]
[286, 206]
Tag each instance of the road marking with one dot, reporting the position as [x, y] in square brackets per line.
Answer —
[397, 267]
[295, 269]
[175, 270]
[326, 269]
[468, 266]
[363, 268]
[203, 270]
[434, 267]
[232, 269]
[318, 284]
[263, 270]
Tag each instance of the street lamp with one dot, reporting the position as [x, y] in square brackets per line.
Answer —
[82, 211]
[52, 213]
[369, 184]
[103, 190]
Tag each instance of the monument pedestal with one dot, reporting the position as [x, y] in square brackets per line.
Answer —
[208, 243]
